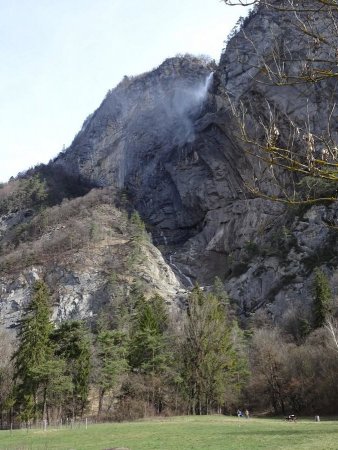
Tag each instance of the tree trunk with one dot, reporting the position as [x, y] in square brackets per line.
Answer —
[102, 391]
[44, 411]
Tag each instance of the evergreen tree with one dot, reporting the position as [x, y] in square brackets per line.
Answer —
[34, 353]
[148, 352]
[111, 361]
[54, 382]
[73, 345]
[149, 355]
[138, 228]
[219, 292]
[239, 367]
[137, 241]
[322, 301]
[6, 377]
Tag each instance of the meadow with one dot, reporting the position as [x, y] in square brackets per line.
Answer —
[182, 433]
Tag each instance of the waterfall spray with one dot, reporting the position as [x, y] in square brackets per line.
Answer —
[208, 82]
[203, 88]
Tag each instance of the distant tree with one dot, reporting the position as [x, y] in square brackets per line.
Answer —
[148, 351]
[6, 377]
[239, 370]
[28, 192]
[137, 227]
[32, 191]
[149, 354]
[322, 298]
[54, 383]
[269, 355]
[219, 292]
[138, 238]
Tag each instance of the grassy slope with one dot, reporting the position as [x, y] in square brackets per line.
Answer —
[183, 433]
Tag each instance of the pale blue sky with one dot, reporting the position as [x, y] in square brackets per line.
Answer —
[60, 57]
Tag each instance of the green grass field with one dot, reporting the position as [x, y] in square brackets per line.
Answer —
[182, 433]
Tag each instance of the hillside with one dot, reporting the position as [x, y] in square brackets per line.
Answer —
[89, 252]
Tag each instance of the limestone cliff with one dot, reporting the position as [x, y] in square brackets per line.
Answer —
[167, 140]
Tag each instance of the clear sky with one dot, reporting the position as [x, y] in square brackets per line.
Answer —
[60, 57]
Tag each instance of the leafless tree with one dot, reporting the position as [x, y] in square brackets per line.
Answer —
[331, 326]
[300, 61]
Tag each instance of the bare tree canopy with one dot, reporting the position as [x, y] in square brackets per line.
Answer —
[288, 116]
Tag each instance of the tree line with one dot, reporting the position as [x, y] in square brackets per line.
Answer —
[143, 360]
[138, 363]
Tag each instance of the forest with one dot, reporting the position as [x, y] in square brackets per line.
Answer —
[144, 361]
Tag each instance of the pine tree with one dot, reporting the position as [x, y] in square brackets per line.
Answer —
[54, 383]
[73, 345]
[34, 354]
[137, 227]
[219, 292]
[148, 352]
[111, 361]
[6, 377]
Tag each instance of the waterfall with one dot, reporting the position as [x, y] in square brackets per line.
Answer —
[179, 271]
[163, 236]
[208, 82]
[202, 89]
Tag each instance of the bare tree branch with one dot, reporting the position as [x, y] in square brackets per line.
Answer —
[331, 326]
[292, 144]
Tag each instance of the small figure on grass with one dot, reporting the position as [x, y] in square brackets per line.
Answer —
[247, 414]
[291, 418]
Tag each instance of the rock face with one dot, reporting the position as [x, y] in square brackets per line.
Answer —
[160, 138]
[81, 292]
[168, 141]
[273, 67]
[168, 138]
[143, 140]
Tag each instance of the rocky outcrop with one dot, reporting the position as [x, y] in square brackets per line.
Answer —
[82, 292]
[84, 249]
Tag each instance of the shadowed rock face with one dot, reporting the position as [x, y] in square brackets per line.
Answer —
[289, 242]
[158, 137]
